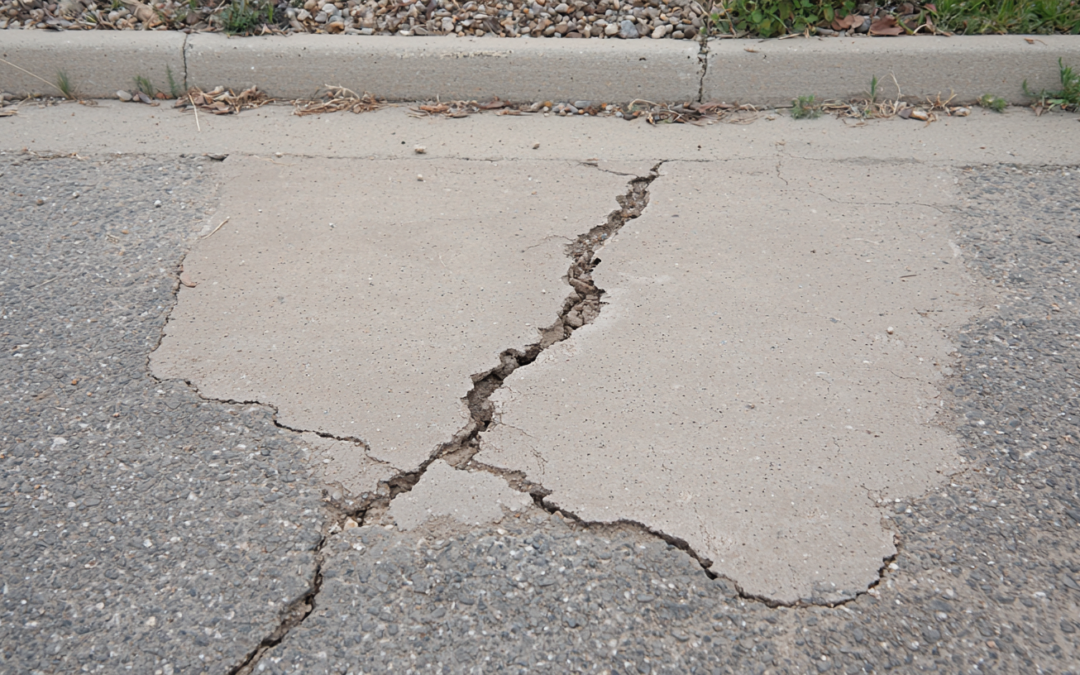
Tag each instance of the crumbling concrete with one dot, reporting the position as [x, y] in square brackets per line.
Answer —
[471, 498]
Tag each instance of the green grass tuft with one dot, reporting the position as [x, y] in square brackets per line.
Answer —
[804, 107]
[175, 90]
[995, 103]
[1067, 98]
[63, 83]
[144, 85]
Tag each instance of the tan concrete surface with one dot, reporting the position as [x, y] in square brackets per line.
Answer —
[773, 72]
[97, 63]
[1015, 136]
[468, 497]
[358, 300]
[765, 365]
[422, 68]
[769, 206]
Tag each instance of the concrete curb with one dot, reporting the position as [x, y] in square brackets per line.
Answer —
[97, 63]
[417, 68]
[763, 73]
[776, 71]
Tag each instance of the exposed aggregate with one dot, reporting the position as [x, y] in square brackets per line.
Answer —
[141, 527]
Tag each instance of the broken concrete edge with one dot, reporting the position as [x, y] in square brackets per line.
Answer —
[763, 73]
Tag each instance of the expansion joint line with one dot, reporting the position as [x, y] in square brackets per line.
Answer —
[703, 61]
[183, 60]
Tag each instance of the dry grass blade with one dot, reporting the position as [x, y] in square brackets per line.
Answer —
[454, 109]
[337, 99]
[220, 101]
[690, 113]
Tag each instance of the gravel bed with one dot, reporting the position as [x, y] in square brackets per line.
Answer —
[626, 19]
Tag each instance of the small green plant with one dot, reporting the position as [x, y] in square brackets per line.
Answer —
[995, 103]
[144, 85]
[873, 89]
[805, 107]
[1068, 98]
[1008, 16]
[63, 83]
[242, 16]
[175, 90]
[770, 18]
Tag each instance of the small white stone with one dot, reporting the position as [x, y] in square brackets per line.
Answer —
[890, 330]
[419, 149]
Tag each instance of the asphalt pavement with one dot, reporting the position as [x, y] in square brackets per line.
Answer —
[148, 528]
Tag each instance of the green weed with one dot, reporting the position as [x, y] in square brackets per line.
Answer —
[770, 18]
[1008, 16]
[805, 107]
[63, 83]
[144, 85]
[175, 90]
[995, 103]
[242, 16]
[1067, 98]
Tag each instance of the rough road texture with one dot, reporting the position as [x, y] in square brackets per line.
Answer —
[144, 529]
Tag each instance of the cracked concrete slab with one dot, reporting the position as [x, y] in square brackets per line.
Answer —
[469, 497]
[358, 298]
[764, 369]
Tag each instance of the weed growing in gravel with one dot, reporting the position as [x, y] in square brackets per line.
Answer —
[242, 16]
[1068, 98]
[995, 103]
[63, 83]
[805, 107]
[769, 18]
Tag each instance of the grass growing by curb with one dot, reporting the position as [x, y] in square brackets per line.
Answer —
[63, 83]
[144, 85]
[1066, 98]
[175, 90]
[804, 107]
[773, 18]
[972, 17]
[995, 103]
[242, 16]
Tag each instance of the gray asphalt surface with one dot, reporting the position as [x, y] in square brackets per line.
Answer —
[142, 528]
[987, 579]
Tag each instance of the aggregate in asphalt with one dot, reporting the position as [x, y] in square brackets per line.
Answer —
[167, 532]
[142, 527]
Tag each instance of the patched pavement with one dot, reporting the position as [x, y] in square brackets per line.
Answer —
[788, 406]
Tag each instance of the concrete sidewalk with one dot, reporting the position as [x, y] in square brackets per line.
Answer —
[757, 72]
[640, 397]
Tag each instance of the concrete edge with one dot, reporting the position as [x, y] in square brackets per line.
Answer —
[97, 63]
[774, 72]
[761, 72]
